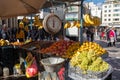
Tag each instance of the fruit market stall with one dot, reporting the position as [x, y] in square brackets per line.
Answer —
[79, 60]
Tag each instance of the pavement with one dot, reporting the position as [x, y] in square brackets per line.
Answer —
[113, 57]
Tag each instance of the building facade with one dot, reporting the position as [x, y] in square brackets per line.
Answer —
[111, 13]
[94, 9]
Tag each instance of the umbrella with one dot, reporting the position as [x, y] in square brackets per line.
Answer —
[11, 8]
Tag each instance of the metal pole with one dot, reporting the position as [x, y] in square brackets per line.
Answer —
[81, 22]
[31, 22]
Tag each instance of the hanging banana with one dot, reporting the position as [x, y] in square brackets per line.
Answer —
[78, 24]
[37, 22]
[85, 18]
[25, 19]
[73, 23]
[40, 25]
[89, 19]
[67, 25]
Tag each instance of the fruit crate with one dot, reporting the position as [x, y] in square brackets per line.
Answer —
[74, 73]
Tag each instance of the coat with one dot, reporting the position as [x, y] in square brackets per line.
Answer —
[112, 36]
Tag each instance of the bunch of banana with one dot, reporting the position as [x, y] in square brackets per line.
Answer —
[67, 25]
[37, 22]
[91, 20]
[28, 40]
[73, 23]
[21, 24]
[85, 20]
[86, 46]
[77, 24]
[4, 42]
[25, 19]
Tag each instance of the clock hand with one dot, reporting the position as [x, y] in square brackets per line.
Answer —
[53, 23]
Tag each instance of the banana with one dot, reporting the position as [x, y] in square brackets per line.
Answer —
[78, 24]
[89, 19]
[25, 19]
[73, 23]
[40, 25]
[85, 18]
[67, 25]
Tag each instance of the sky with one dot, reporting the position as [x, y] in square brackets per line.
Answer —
[97, 2]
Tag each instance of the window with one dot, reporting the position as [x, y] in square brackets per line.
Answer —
[109, 10]
[109, 19]
[105, 6]
[116, 5]
[109, 15]
[105, 15]
[116, 10]
[116, 14]
[105, 19]
[116, 19]
[105, 11]
[99, 8]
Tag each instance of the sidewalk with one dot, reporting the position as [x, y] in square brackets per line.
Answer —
[113, 51]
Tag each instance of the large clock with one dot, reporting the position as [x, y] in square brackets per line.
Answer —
[52, 23]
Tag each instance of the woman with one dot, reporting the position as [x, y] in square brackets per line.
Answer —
[112, 36]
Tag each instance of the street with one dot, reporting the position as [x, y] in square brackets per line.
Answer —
[113, 59]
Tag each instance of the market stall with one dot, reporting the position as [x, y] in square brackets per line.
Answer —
[59, 60]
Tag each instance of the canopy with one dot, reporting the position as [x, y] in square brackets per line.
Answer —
[10, 8]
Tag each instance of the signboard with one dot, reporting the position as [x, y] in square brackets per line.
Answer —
[73, 31]
[73, 9]
[71, 16]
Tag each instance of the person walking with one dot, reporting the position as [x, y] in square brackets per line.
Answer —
[107, 36]
[112, 36]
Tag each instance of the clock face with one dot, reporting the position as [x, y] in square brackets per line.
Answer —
[53, 23]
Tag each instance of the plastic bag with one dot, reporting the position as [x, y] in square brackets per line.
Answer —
[31, 68]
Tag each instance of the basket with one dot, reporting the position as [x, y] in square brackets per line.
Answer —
[90, 75]
[52, 64]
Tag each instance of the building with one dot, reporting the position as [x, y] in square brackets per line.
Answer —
[111, 13]
[94, 9]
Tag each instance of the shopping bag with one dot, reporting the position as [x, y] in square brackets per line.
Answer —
[31, 68]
